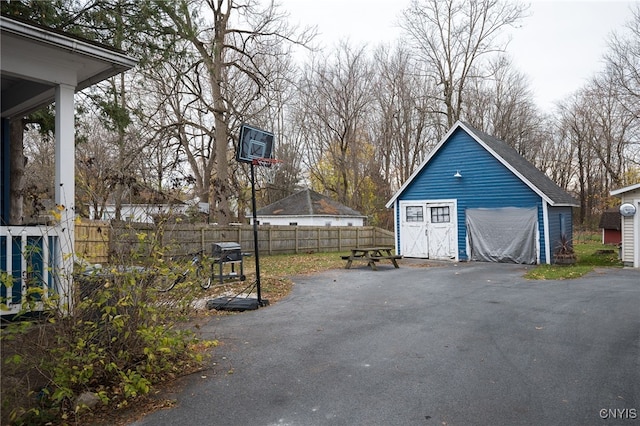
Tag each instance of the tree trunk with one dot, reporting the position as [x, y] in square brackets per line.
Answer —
[219, 209]
[17, 167]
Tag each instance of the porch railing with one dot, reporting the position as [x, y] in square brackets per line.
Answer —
[31, 262]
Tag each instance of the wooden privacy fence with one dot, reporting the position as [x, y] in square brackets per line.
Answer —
[92, 240]
[127, 238]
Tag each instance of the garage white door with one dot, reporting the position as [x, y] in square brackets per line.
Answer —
[428, 229]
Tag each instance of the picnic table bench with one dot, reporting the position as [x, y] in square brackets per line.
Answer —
[371, 255]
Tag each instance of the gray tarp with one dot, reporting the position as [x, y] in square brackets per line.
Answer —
[505, 235]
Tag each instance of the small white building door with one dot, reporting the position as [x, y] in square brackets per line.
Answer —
[413, 237]
[441, 231]
[428, 229]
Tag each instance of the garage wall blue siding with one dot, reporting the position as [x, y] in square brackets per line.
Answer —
[560, 222]
[485, 183]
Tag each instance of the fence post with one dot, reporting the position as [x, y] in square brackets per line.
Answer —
[296, 237]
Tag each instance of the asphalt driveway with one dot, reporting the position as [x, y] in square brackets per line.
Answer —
[462, 344]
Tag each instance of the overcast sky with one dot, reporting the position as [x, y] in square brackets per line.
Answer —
[559, 46]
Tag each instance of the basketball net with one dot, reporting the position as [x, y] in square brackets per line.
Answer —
[268, 166]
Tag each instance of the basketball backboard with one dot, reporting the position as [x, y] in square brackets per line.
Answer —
[254, 143]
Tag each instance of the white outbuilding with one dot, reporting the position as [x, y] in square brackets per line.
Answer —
[630, 212]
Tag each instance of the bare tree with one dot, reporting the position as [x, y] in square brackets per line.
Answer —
[96, 167]
[582, 131]
[623, 62]
[621, 80]
[503, 106]
[616, 130]
[452, 37]
[336, 102]
[268, 111]
[39, 169]
[405, 123]
[227, 35]
[173, 107]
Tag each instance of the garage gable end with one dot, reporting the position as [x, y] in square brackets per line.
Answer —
[484, 182]
[479, 171]
[505, 158]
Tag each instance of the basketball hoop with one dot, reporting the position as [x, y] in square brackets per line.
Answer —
[255, 147]
[265, 162]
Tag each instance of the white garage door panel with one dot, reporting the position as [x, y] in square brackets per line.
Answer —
[428, 229]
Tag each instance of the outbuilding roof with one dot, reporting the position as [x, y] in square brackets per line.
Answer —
[625, 189]
[307, 203]
[611, 219]
[510, 158]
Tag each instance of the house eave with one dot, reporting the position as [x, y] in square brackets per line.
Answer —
[35, 60]
[564, 205]
[626, 189]
[60, 41]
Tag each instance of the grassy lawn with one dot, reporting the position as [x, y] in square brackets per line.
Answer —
[276, 270]
[590, 253]
[275, 281]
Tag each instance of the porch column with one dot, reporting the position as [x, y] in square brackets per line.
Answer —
[65, 184]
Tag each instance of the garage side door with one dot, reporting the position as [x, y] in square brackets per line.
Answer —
[413, 240]
[506, 235]
[441, 231]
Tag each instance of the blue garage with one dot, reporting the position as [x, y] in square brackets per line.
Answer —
[476, 198]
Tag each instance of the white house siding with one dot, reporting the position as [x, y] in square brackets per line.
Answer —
[631, 230]
[144, 213]
[310, 220]
[628, 249]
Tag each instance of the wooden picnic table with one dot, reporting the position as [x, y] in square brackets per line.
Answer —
[372, 255]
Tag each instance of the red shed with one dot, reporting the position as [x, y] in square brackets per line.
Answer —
[610, 222]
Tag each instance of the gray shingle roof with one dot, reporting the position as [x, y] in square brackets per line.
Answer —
[537, 178]
[611, 219]
[307, 203]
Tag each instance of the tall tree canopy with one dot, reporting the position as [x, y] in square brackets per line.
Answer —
[451, 37]
[234, 40]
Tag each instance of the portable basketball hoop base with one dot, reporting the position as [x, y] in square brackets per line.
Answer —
[237, 304]
[246, 303]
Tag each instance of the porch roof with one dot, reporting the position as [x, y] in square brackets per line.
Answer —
[36, 59]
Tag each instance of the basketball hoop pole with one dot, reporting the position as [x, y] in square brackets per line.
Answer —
[255, 235]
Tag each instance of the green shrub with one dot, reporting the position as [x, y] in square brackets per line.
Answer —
[117, 341]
